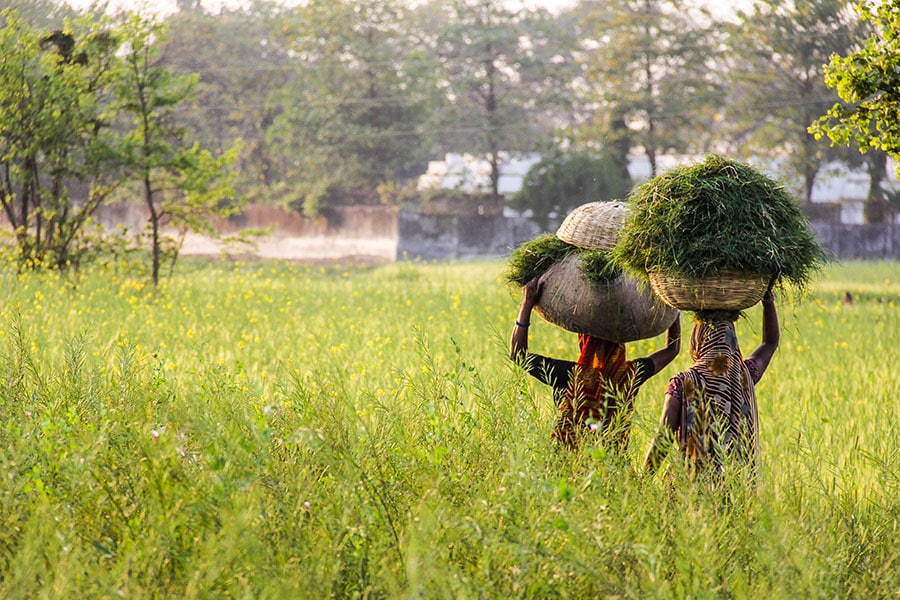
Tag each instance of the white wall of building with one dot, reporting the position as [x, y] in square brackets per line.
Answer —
[835, 184]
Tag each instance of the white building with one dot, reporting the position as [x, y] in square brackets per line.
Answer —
[469, 173]
[835, 184]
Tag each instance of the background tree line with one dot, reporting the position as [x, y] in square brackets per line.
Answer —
[345, 101]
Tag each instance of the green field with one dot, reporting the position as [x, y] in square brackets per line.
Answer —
[266, 430]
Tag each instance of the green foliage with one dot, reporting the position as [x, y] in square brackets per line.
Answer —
[649, 65]
[863, 78]
[354, 108]
[85, 110]
[295, 432]
[562, 181]
[53, 136]
[181, 184]
[532, 259]
[501, 69]
[365, 92]
[317, 196]
[775, 81]
[713, 216]
[242, 65]
[867, 81]
[392, 193]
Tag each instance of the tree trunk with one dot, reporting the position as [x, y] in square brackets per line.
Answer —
[875, 208]
[811, 164]
[650, 144]
[154, 230]
[491, 110]
[620, 144]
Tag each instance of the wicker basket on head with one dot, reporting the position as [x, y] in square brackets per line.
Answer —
[595, 225]
[619, 311]
[724, 291]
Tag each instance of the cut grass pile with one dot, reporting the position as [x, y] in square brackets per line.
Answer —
[718, 215]
[532, 259]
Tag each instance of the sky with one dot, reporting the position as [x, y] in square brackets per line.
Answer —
[720, 8]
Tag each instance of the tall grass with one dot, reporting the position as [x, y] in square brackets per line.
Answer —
[268, 431]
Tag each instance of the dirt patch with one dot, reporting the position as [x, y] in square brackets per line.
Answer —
[325, 250]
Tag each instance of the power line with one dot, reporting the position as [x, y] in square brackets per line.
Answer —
[392, 101]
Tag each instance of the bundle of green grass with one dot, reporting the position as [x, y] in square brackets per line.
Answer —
[715, 235]
[533, 258]
[582, 289]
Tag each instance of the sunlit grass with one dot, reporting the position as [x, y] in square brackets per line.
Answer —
[270, 430]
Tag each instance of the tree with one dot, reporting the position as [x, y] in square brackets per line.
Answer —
[40, 14]
[562, 181]
[242, 63]
[649, 76]
[868, 82]
[53, 162]
[182, 184]
[352, 115]
[497, 67]
[778, 90]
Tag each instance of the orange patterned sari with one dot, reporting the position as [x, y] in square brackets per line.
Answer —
[600, 395]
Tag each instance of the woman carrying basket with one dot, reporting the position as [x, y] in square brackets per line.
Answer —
[596, 392]
[710, 409]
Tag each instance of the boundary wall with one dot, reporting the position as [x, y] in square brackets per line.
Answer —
[386, 234]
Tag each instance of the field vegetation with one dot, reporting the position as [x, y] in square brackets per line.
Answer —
[269, 430]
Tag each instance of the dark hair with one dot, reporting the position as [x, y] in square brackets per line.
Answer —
[711, 316]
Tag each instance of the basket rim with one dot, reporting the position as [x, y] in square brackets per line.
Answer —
[725, 290]
[720, 275]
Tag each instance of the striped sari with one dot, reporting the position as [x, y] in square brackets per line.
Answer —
[719, 415]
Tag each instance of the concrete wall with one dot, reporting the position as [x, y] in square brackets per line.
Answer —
[845, 241]
[342, 221]
[357, 233]
[447, 237]
[384, 234]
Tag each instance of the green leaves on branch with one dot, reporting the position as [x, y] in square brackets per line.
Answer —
[54, 136]
[88, 110]
[868, 81]
[182, 185]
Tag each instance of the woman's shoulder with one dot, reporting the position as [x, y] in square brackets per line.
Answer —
[754, 368]
[552, 371]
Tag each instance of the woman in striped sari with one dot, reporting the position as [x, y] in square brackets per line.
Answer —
[711, 409]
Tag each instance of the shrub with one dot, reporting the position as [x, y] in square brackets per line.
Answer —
[562, 181]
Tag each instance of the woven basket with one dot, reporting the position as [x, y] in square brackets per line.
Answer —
[725, 291]
[594, 226]
[619, 311]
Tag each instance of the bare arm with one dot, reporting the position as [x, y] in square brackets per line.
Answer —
[771, 333]
[518, 342]
[661, 358]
